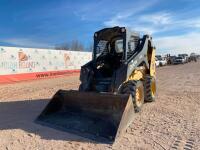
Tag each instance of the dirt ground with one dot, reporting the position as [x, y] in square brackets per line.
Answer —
[172, 122]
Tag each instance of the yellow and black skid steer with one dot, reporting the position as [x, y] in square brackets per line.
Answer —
[114, 85]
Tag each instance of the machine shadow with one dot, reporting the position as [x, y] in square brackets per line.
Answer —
[22, 115]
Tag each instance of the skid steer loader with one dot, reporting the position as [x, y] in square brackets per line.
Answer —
[114, 85]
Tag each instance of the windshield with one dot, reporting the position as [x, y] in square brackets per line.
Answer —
[101, 47]
[179, 57]
[159, 58]
[113, 46]
[119, 46]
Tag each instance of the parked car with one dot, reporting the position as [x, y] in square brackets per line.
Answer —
[179, 60]
[193, 57]
[160, 61]
[185, 57]
[171, 60]
[157, 62]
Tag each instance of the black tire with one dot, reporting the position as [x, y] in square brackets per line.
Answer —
[160, 64]
[130, 87]
[150, 88]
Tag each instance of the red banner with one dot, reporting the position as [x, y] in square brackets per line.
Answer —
[36, 75]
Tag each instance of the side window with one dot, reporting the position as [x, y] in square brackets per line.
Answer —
[131, 45]
[119, 46]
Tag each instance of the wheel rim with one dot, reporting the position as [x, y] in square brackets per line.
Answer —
[153, 88]
[139, 96]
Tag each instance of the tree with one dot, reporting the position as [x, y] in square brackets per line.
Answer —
[90, 47]
[63, 46]
[74, 45]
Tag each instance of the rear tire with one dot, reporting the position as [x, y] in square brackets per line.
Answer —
[136, 90]
[150, 88]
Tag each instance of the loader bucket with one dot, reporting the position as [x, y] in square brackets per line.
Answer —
[97, 116]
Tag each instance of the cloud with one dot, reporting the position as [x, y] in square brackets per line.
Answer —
[173, 32]
[159, 18]
[124, 14]
[108, 12]
[146, 23]
[179, 44]
[193, 23]
[154, 22]
[24, 42]
[171, 27]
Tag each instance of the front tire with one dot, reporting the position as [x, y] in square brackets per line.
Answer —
[150, 88]
[136, 90]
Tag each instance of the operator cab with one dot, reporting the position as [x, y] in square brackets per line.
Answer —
[112, 47]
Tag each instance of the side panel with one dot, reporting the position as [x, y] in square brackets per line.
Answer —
[153, 64]
[138, 74]
[141, 57]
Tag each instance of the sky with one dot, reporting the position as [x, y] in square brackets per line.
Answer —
[174, 24]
